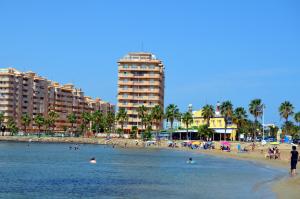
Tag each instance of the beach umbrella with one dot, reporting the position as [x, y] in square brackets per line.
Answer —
[225, 143]
[274, 143]
[196, 143]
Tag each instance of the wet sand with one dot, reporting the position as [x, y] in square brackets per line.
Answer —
[287, 187]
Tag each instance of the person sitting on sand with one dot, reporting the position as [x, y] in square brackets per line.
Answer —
[270, 153]
[277, 153]
[253, 146]
[294, 160]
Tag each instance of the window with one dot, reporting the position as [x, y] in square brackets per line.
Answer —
[151, 74]
[133, 66]
[125, 66]
[213, 123]
[151, 66]
[143, 66]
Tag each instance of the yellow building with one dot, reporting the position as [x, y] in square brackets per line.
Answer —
[217, 123]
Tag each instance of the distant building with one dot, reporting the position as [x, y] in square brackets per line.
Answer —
[141, 81]
[27, 93]
[167, 124]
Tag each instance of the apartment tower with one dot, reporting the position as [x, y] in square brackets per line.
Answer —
[27, 93]
[141, 81]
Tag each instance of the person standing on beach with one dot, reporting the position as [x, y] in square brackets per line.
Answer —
[294, 160]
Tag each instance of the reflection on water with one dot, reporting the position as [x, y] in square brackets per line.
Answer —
[54, 171]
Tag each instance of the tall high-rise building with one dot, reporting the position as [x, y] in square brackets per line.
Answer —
[141, 81]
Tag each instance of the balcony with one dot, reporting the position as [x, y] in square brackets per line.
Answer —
[135, 105]
[135, 83]
[130, 90]
[156, 69]
[145, 76]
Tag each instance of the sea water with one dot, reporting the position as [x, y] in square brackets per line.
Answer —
[42, 170]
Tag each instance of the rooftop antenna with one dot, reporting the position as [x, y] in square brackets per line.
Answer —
[142, 46]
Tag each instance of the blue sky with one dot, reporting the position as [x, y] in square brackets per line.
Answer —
[212, 50]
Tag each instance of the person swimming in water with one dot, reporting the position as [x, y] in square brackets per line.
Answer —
[93, 160]
[190, 161]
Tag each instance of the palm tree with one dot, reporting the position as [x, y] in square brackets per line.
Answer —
[86, 119]
[273, 131]
[187, 119]
[12, 126]
[297, 118]
[39, 120]
[52, 117]
[286, 109]
[157, 115]
[1, 122]
[172, 113]
[226, 110]
[1, 118]
[122, 117]
[72, 119]
[239, 117]
[98, 121]
[208, 112]
[142, 112]
[25, 119]
[255, 109]
[205, 131]
[288, 127]
[110, 120]
[148, 121]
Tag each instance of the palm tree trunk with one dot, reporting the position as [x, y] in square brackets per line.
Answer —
[225, 131]
[286, 120]
[254, 134]
[187, 130]
[171, 130]
[156, 130]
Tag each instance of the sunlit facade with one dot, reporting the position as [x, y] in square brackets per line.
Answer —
[27, 93]
[141, 81]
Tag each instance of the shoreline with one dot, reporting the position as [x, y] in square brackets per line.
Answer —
[282, 186]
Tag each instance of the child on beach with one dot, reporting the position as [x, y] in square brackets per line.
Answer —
[294, 160]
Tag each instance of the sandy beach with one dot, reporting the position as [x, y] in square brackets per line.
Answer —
[286, 187]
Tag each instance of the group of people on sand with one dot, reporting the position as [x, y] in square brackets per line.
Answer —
[273, 153]
[225, 148]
